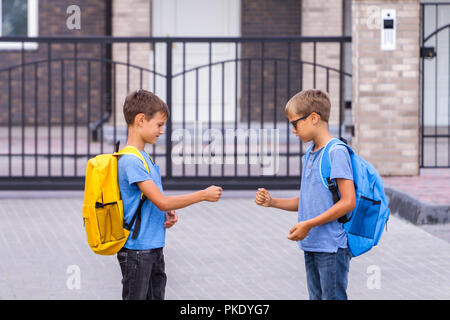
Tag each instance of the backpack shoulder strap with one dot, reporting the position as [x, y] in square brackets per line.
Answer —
[134, 151]
[325, 160]
[137, 215]
[325, 172]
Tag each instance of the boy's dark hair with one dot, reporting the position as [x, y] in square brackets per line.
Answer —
[310, 100]
[143, 101]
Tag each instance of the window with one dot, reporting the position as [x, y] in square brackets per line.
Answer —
[18, 18]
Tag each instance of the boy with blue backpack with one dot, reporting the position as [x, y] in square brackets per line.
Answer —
[333, 193]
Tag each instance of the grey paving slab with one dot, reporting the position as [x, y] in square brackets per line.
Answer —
[232, 249]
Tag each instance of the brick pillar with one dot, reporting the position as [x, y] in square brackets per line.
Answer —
[323, 18]
[133, 20]
[269, 18]
[385, 95]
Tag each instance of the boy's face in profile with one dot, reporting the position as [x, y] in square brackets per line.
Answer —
[301, 126]
[150, 130]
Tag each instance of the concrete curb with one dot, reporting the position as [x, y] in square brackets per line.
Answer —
[414, 210]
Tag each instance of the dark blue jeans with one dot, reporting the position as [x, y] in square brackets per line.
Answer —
[143, 274]
[327, 274]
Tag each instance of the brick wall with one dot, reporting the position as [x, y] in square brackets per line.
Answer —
[306, 18]
[269, 18]
[34, 108]
[134, 21]
[323, 18]
[386, 88]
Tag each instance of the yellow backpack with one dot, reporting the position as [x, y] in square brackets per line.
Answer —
[103, 218]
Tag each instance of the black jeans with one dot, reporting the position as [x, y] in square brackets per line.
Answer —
[143, 275]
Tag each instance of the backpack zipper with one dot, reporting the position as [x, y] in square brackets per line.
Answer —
[373, 201]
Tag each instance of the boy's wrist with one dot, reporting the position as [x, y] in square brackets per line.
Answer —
[202, 194]
[310, 223]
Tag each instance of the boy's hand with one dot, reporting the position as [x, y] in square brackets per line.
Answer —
[213, 193]
[263, 198]
[299, 231]
[171, 219]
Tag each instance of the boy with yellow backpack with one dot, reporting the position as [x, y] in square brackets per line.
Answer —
[125, 210]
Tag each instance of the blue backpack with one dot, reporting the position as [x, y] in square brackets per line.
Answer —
[365, 224]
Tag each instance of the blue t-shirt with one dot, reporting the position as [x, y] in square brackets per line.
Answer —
[131, 169]
[315, 199]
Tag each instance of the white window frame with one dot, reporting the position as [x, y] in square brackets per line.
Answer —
[33, 28]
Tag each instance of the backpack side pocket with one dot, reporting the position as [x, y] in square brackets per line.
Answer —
[110, 222]
[365, 218]
[90, 225]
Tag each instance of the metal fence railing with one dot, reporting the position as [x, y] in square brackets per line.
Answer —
[61, 102]
[435, 85]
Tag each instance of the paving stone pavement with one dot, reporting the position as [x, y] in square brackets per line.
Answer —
[232, 249]
[431, 186]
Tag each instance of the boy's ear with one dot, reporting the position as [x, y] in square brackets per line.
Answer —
[139, 119]
[316, 118]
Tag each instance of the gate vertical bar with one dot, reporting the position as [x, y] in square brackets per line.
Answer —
[102, 85]
[288, 96]
[62, 116]
[209, 105]
[128, 67]
[169, 103]
[262, 106]
[314, 63]
[422, 140]
[223, 119]
[154, 86]
[88, 132]
[436, 89]
[49, 93]
[341, 86]
[235, 104]
[275, 97]
[249, 103]
[196, 133]
[75, 140]
[35, 119]
[114, 103]
[9, 124]
[23, 107]
[184, 108]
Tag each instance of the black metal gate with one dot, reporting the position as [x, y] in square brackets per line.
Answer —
[61, 102]
[435, 86]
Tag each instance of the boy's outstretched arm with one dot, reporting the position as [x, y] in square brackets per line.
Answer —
[345, 205]
[167, 203]
[264, 199]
